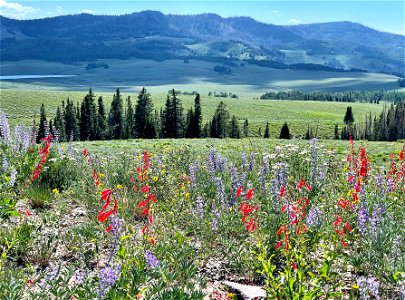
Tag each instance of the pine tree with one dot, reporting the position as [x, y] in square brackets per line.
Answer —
[71, 121]
[220, 122]
[285, 132]
[143, 113]
[197, 118]
[101, 120]
[349, 118]
[129, 120]
[59, 123]
[190, 123]
[42, 130]
[336, 132]
[234, 131]
[88, 118]
[308, 134]
[246, 128]
[267, 131]
[115, 117]
[173, 122]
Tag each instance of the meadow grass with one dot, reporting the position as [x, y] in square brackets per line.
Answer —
[22, 106]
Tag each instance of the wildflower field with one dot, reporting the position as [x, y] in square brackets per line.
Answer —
[161, 220]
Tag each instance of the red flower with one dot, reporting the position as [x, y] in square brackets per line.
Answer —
[251, 225]
[85, 152]
[105, 195]
[249, 194]
[401, 154]
[344, 243]
[239, 192]
[144, 229]
[342, 203]
[145, 189]
[152, 197]
[338, 220]
[279, 243]
[302, 183]
[282, 190]
[293, 266]
[152, 240]
[143, 203]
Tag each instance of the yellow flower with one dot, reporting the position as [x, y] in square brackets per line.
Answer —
[155, 178]
[187, 195]
[119, 186]
[231, 296]
[55, 191]
[101, 175]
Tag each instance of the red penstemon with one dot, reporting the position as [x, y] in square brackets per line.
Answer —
[247, 209]
[341, 227]
[296, 213]
[43, 153]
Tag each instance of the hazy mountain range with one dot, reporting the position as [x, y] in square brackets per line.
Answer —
[153, 35]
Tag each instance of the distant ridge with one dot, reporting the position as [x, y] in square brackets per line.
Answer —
[153, 35]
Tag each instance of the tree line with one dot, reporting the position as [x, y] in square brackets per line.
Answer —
[89, 120]
[355, 96]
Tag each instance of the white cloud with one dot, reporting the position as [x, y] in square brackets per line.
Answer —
[276, 11]
[59, 9]
[295, 21]
[88, 11]
[15, 10]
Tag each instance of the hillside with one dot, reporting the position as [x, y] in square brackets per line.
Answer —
[209, 37]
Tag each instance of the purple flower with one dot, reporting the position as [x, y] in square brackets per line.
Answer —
[4, 165]
[262, 178]
[211, 163]
[108, 276]
[200, 206]
[314, 160]
[221, 191]
[78, 278]
[362, 220]
[368, 286]
[378, 211]
[396, 248]
[244, 161]
[5, 133]
[373, 286]
[193, 179]
[214, 224]
[13, 177]
[314, 218]
[22, 138]
[151, 260]
[390, 185]
[251, 161]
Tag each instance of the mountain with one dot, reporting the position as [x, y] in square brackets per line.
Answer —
[153, 35]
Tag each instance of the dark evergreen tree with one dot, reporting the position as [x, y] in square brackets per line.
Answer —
[349, 118]
[234, 131]
[267, 131]
[143, 113]
[59, 123]
[308, 134]
[129, 120]
[88, 118]
[285, 132]
[173, 122]
[189, 122]
[220, 122]
[115, 117]
[71, 122]
[246, 128]
[101, 120]
[43, 124]
[194, 119]
[150, 129]
[336, 132]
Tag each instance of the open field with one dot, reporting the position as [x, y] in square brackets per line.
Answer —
[22, 106]
[130, 75]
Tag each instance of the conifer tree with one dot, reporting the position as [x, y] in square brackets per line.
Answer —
[197, 118]
[101, 120]
[190, 123]
[267, 131]
[42, 130]
[246, 128]
[59, 123]
[220, 122]
[336, 132]
[71, 121]
[143, 113]
[285, 132]
[234, 131]
[88, 118]
[115, 117]
[349, 118]
[129, 120]
[173, 122]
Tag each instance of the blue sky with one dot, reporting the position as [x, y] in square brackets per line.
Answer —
[381, 15]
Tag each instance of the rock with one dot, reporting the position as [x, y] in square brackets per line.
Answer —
[248, 292]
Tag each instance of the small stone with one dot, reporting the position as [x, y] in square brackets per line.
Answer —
[248, 292]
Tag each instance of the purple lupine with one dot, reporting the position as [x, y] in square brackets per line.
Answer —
[281, 173]
[108, 276]
[375, 220]
[243, 178]
[396, 248]
[262, 178]
[78, 278]
[251, 161]
[391, 185]
[221, 190]
[352, 177]
[52, 273]
[22, 138]
[314, 160]
[219, 163]
[234, 183]
[379, 180]
[193, 179]
[5, 133]
[314, 217]
[373, 286]
[362, 220]
[363, 194]
[214, 223]
[4, 163]
[200, 206]
[116, 230]
[244, 161]
[151, 260]
[13, 177]
[211, 163]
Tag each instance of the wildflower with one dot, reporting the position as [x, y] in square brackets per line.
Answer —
[4, 164]
[362, 220]
[5, 133]
[155, 178]
[221, 190]
[251, 161]
[78, 278]
[55, 191]
[119, 186]
[108, 276]
[13, 177]
[200, 206]
[378, 211]
[214, 223]
[314, 218]
[249, 194]
[314, 159]
[151, 260]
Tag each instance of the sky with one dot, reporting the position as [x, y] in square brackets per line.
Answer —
[381, 15]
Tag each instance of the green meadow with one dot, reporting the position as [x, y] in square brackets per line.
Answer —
[22, 106]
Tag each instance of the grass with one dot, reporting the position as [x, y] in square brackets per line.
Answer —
[130, 75]
[22, 106]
